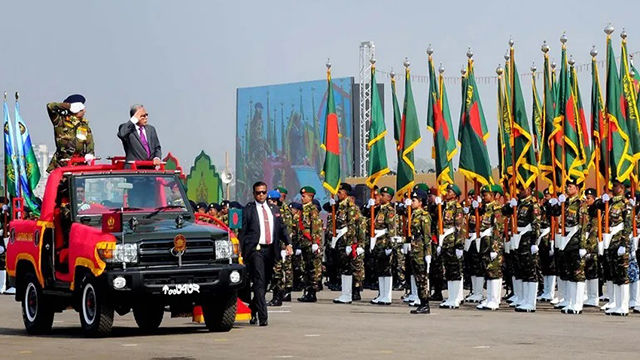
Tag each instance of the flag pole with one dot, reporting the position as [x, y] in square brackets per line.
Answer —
[6, 194]
[477, 211]
[608, 30]
[536, 141]
[596, 117]
[512, 139]
[563, 39]
[372, 213]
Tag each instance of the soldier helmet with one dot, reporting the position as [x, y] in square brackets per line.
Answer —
[308, 190]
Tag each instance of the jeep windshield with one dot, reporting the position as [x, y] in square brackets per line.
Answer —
[140, 193]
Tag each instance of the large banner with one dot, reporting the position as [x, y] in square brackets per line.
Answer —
[279, 132]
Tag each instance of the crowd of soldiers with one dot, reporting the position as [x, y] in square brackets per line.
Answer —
[540, 247]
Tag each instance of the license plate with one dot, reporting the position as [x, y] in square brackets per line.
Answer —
[181, 289]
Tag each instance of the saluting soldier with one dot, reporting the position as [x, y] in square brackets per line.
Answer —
[71, 131]
[382, 244]
[310, 234]
[451, 245]
[346, 240]
[419, 250]
[492, 245]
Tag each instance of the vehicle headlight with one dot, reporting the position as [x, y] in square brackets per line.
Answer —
[224, 249]
[127, 253]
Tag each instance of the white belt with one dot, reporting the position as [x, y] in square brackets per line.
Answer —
[339, 233]
[378, 233]
[484, 234]
[515, 238]
[507, 247]
[606, 238]
[467, 242]
[447, 232]
[634, 243]
[564, 240]
[398, 239]
[543, 232]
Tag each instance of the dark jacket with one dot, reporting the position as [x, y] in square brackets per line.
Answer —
[250, 232]
[133, 148]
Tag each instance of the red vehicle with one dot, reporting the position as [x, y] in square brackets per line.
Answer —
[113, 240]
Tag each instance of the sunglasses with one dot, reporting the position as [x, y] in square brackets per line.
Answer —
[260, 192]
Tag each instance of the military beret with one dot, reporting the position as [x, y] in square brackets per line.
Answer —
[590, 191]
[473, 192]
[317, 204]
[201, 205]
[546, 192]
[455, 188]
[421, 186]
[497, 189]
[326, 207]
[308, 190]
[193, 204]
[419, 194]
[235, 205]
[540, 195]
[387, 190]
[75, 98]
[225, 203]
[485, 189]
[626, 183]
[295, 205]
[273, 194]
[282, 190]
[215, 206]
[571, 181]
[346, 187]
[627, 194]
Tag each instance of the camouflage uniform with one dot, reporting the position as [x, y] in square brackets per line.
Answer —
[619, 213]
[348, 218]
[398, 259]
[282, 269]
[452, 218]
[492, 218]
[73, 135]
[385, 221]
[358, 262]
[547, 265]
[309, 233]
[590, 241]
[436, 270]
[332, 258]
[420, 247]
[528, 214]
[575, 214]
[297, 262]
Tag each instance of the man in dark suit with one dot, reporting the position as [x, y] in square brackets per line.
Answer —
[139, 139]
[262, 231]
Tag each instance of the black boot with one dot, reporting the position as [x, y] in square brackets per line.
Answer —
[356, 294]
[277, 299]
[309, 297]
[437, 295]
[287, 295]
[423, 308]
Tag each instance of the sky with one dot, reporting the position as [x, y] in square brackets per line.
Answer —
[184, 60]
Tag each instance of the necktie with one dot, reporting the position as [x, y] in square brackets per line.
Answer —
[267, 227]
[145, 143]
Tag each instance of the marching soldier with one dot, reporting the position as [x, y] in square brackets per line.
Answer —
[310, 234]
[382, 244]
[492, 246]
[451, 245]
[525, 245]
[71, 130]
[346, 240]
[590, 235]
[419, 250]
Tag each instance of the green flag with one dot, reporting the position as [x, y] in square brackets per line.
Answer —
[630, 102]
[584, 149]
[439, 122]
[547, 145]
[504, 135]
[536, 115]
[618, 142]
[331, 168]
[409, 138]
[377, 131]
[472, 134]
[597, 120]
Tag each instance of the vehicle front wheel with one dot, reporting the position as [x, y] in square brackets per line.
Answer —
[37, 314]
[220, 311]
[148, 316]
[96, 314]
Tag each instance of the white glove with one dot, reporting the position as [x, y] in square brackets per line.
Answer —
[427, 259]
[562, 198]
[406, 247]
[1, 250]
[438, 200]
[493, 255]
[388, 252]
[438, 250]
[85, 207]
[371, 203]
[348, 250]
[76, 107]
[89, 158]
[459, 253]
[332, 201]
[513, 202]
[298, 252]
[551, 252]
[553, 201]
[283, 254]
[606, 197]
[403, 251]
[621, 250]
[359, 251]
[5, 208]
[475, 204]
[534, 249]
[407, 202]
[314, 248]
[582, 253]
[466, 210]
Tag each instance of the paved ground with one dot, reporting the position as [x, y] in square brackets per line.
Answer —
[327, 331]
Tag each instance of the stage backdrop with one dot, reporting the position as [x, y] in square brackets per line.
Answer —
[279, 132]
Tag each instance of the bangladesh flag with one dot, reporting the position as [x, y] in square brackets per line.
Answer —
[536, 116]
[473, 134]
[439, 122]
[377, 151]
[331, 168]
[584, 147]
[618, 143]
[549, 172]
[504, 135]
[409, 138]
[630, 102]
[10, 165]
[597, 120]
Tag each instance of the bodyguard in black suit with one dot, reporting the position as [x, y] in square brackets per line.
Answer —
[139, 139]
[260, 237]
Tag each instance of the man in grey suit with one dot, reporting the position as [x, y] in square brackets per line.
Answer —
[139, 139]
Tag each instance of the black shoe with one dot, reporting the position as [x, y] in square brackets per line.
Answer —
[264, 323]
[253, 321]
[437, 296]
[356, 295]
[309, 297]
[423, 309]
[287, 297]
[276, 300]
[508, 295]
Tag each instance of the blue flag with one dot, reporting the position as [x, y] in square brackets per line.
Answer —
[27, 163]
[10, 167]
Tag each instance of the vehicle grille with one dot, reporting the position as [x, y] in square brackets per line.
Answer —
[152, 252]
